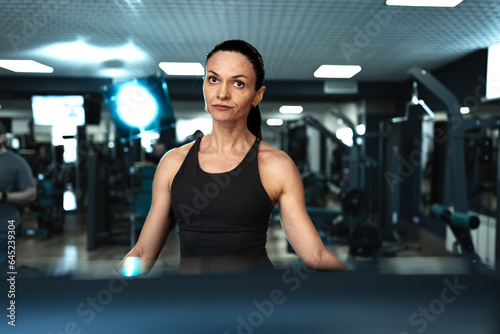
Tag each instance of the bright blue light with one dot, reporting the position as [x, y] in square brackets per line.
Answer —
[136, 106]
[139, 105]
[131, 267]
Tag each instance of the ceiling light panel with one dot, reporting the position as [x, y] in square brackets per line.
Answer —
[291, 109]
[25, 66]
[424, 3]
[172, 68]
[337, 71]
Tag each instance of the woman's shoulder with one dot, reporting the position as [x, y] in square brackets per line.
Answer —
[276, 169]
[273, 158]
[178, 153]
[173, 159]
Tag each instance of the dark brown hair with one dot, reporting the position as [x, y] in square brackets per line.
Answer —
[254, 119]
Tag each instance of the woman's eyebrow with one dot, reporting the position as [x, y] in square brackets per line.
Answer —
[234, 76]
[239, 76]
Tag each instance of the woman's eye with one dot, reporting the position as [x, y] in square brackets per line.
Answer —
[239, 84]
[212, 80]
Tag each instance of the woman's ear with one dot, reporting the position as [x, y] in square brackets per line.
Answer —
[259, 95]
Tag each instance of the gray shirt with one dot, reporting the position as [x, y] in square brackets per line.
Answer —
[15, 175]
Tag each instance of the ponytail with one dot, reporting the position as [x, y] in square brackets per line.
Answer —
[254, 122]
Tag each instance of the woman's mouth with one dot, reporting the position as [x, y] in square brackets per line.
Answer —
[221, 107]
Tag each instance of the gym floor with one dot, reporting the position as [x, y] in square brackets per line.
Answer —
[66, 254]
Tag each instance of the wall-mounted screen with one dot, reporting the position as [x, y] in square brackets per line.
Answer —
[58, 109]
[493, 73]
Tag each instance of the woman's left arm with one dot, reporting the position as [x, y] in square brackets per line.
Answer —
[298, 227]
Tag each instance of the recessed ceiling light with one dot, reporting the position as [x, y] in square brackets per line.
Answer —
[337, 71]
[361, 129]
[80, 50]
[274, 122]
[182, 68]
[424, 3]
[25, 66]
[345, 135]
[291, 109]
[464, 110]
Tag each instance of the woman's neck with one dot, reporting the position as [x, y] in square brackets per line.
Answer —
[224, 139]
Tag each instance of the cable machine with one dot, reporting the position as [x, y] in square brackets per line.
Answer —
[399, 168]
[355, 228]
[458, 219]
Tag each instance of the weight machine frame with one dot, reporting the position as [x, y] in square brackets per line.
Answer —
[457, 125]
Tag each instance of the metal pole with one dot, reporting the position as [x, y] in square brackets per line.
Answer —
[497, 241]
[455, 135]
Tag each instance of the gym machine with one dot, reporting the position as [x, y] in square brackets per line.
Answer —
[460, 224]
[400, 167]
[98, 203]
[48, 209]
[497, 238]
[351, 157]
[354, 229]
[459, 220]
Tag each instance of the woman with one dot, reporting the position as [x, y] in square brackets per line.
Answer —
[222, 187]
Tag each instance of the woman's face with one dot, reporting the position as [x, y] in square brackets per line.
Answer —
[229, 86]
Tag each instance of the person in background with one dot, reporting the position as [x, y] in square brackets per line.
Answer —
[16, 187]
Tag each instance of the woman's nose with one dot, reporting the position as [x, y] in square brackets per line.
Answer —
[223, 92]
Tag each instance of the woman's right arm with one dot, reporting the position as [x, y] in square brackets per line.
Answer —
[160, 217]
